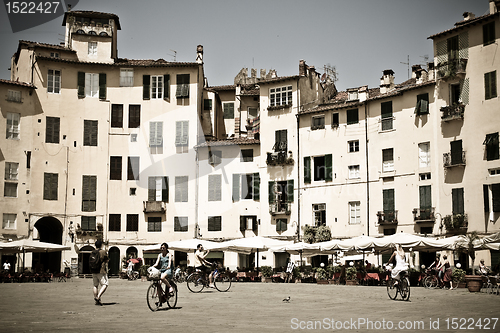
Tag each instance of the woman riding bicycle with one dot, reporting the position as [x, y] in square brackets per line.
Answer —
[401, 264]
[165, 268]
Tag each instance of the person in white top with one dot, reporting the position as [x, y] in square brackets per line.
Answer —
[401, 264]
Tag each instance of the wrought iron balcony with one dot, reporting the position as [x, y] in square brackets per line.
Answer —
[280, 208]
[387, 217]
[452, 112]
[454, 159]
[424, 214]
[154, 207]
[451, 68]
[279, 158]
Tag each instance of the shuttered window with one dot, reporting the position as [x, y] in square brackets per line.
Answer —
[133, 168]
[13, 128]
[307, 170]
[52, 129]
[246, 186]
[280, 140]
[182, 86]
[425, 202]
[228, 110]
[492, 146]
[90, 132]
[156, 86]
[115, 222]
[54, 81]
[281, 225]
[117, 115]
[214, 187]
[134, 116]
[457, 197]
[132, 222]
[489, 33]
[388, 202]
[146, 83]
[182, 133]
[50, 181]
[154, 224]
[388, 159]
[248, 222]
[181, 189]
[158, 188]
[214, 157]
[89, 193]
[422, 106]
[88, 223]
[352, 116]
[156, 134]
[166, 86]
[180, 223]
[115, 168]
[490, 85]
[214, 223]
[495, 193]
[102, 86]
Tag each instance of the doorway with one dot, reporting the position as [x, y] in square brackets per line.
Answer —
[50, 231]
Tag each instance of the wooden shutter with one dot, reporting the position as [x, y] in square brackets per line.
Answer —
[243, 223]
[102, 85]
[422, 104]
[151, 188]
[166, 87]
[457, 199]
[289, 190]
[133, 168]
[490, 86]
[256, 186]
[146, 86]
[456, 152]
[236, 187]
[156, 134]
[272, 195]
[117, 115]
[81, 84]
[495, 194]
[164, 189]
[134, 116]
[307, 170]
[486, 198]
[255, 224]
[90, 132]
[425, 197]
[328, 168]
[388, 198]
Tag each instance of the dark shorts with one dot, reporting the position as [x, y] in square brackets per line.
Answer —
[204, 269]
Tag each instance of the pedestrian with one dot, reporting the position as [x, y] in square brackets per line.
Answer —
[448, 274]
[6, 266]
[289, 270]
[99, 271]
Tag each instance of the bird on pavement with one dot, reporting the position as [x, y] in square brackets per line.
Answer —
[286, 299]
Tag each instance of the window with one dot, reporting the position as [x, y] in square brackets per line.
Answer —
[280, 96]
[452, 47]
[10, 190]
[354, 212]
[490, 85]
[425, 176]
[335, 120]
[182, 133]
[181, 223]
[134, 116]
[89, 197]
[352, 94]
[281, 196]
[9, 221]
[54, 81]
[88, 223]
[354, 172]
[14, 96]
[246, 155]
[425, 202]
[92, 48]
[115, 222]
[214, 223]
[228, 110]
[494, 172]
[456, 152]
[246, 186]
[52, 127]
[158, 188]
[281, 225]
[156, 86]
[352, 116]
[489, 33]
[214, 187]
[353, 146]
[424, 154]
[117, 115]
[248, 222]
[90, 133]
[92, 33]
[13, 128]
[126, 77]
[28, 159]
[388, 160]
[280, 140]
[50, 186]
[155, 134]
[133, 168]
[319, 214]
[455, 94]
[181, 189]
[422, 106]
[491, 191]
[56, 54]
[115, 166]
[133, 191]
[154, 224]
[132, 222]
[321, 170]
[182, 86]
[389, 205]
[91, 84]
[492, 146]
[11, 170]
[457, 197]
[253, 112]
[318, 122]
[207, 104]
[214, 157]
[386, 116]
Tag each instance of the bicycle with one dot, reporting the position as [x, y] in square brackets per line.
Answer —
[492, 285]
[180, 277]
[431, 280]
[134, 275]
[402, 287]
[197, 280]
[156, 295]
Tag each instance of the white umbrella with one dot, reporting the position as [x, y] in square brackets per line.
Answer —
[299, 248]
[406, 240]
[26, 245]
[186, 245]
[251, 244]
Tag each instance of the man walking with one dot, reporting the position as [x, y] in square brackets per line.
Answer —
[98, 267]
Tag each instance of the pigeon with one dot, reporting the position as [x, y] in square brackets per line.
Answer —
[286, 299]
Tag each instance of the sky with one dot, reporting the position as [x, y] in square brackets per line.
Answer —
[360, 38]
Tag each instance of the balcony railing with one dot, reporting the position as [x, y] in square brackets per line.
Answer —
[278, 208]
[424, 214]
[456, 223]
[387, 217]
[279, 158]
[454, 159]
[154, 207]
[451, 68]
[452, 112]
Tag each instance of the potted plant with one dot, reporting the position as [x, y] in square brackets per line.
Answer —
[143, 272]
[458, 277]
[350, 276]
[321, 276]
[466, 244]
[267, 272]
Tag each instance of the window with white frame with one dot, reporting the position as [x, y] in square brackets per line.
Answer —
[318, 122]
[352, 94]
[354, 172]
[182, 133]
[156, 86]
[9, 221]
[424, 154]
[14, 96]
[353, 146]
[280, 96]
[354, 212]
[180, 223]
[387, 159]
[126, 77]
[12, 131]
[91, 84]
[11, 170]
[319, 214]
[54, 81]
[92, 48]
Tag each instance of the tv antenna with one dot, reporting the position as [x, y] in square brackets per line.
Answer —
[173, 55]
[408, 64]
[426, 60]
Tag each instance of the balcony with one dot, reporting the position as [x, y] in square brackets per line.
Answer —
[456, 224]
[154, 207]
[387, 217]
[424, 215]
[451, 68]
[452, 112]
[280, 208]
[279, 158]
[454, 159]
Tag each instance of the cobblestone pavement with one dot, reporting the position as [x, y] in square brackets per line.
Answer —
[247, 307]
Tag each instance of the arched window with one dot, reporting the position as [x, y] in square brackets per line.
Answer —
[104, 34]
[80, 32]
[93, 33]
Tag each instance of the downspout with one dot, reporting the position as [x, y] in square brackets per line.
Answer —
[197, 226]
[367, 174]
[298, 163]
[66, 194]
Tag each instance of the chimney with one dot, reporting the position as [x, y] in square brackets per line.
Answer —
[302, 68]
[363, 93]
[387, 81]
[430, 68]
[199, 54]
[414, 70]
[468, 16]
[494, 6]
[262, 74]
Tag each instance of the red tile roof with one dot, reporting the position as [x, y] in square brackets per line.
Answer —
[17, 83]
[229, 142]
[463, 24]
[45, 45]
[122, 62]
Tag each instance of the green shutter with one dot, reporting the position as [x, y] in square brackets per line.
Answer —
[490, 86]
[495, 197]
[457, 199]
[146, 86]
[255, 224]
[102, 85]
[256, 187]
[388, 200]
[425, 197]
[164, 189]
[486, 198]
[81, 84]
[272, 196]
[243, 223]
[166, 88]
[386, 110]
[328, 168]
[289, 190]
[151, 189]
[307, 170]
[236, 187]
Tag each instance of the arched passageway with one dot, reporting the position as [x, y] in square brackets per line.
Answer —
[114, 261]
[50, 230]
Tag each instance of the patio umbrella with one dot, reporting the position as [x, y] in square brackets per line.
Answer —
[27, 245]
[251, 244]
[186, 245]
[406, 240]
[299, 248]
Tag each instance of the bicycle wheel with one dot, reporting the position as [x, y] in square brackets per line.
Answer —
[172, 296]
[195, 283]
[392, 290]
[405, 289]
[152, 298]
[222, 282]
[135, 275]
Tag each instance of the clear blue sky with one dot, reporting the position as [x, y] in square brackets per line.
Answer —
[360, 38]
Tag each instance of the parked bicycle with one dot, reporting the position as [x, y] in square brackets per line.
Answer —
[197, 281]
[134, 275]
[180, 276]
[492, 286]
[157, 295]
[431, 279]
[401, 286]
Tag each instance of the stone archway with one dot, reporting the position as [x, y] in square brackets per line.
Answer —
[50, 230]
[132, 252]
[114, 261]
[83, 259]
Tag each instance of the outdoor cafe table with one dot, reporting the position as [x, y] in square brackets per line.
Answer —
[245, 276]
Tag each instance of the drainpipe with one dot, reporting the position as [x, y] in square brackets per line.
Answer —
[298, 163]
[367, 174]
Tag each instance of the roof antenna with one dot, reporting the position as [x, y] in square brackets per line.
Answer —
[173, 55]
[407, 63]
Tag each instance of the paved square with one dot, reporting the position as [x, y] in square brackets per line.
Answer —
[246, 307]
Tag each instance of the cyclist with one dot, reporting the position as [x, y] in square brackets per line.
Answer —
[203, 264]
[130, 268]
[401, 264]
[165, 268]
[437, 268]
